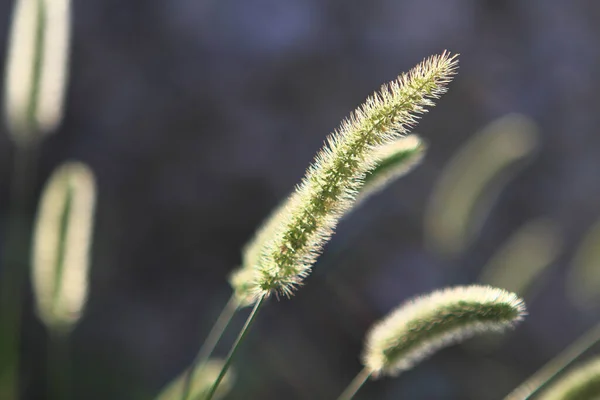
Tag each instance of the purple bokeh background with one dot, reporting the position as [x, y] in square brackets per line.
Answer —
[198, 116]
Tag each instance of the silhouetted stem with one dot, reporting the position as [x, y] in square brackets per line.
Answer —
[235, 346]
[356, 384]
[58, 367]
[15, 261]
[556, 365]
[210, 343]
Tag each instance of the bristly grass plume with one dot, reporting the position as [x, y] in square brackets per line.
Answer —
[581, 384]
[393, 161]
[426, 324]
[332, 182]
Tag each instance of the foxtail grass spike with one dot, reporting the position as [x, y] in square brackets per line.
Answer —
[581, 384]
[61, 245]
[527, 253]
[583, 279]
[37, 67]
[394, 160]
[426, 324]
[333, 181]
[473, 179]
[201, 383]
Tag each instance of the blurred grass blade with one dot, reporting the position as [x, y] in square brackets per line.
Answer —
[581, 384]
[201, 383]
[473, 179]
[61, 244]
[521, 260]
[37, 68]
[583, 279]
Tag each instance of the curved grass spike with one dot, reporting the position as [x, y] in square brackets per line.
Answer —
[583, 279]
[61, 244]
[202, 381]
[581, 384]
[473, 179]
[332, 182]
[37, 67]
[422, 326]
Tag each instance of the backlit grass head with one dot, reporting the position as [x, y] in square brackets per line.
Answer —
[37, 68]
[426, 324]
[581, 384]
[61, 244]
[333, 181]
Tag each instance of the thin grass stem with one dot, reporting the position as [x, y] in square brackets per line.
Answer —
[556, 365]
[17, 236]
[210, 343]
[58, 368]
[236, 345]
[356, 384]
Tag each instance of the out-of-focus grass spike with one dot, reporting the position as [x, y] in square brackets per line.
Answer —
[473, 179]
[394, 160]
[37, 68]
[424, 325]
[201, 383]
[581, 384]
[556, 365]
[583, 279]
[520, 261]
[61, 246]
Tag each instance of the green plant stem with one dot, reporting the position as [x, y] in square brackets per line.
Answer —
[58, 367]
[556, 365]
[210, 343]
[13, 273]
[356, 384]
[235, 346]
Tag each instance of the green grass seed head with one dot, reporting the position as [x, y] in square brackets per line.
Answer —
[61, 243]
[332, 183]
[426, 324]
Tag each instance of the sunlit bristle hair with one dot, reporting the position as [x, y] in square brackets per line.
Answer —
[37, 67]
[581, 384]
[426, 324]
[61, 245]
[333, 181]
[393, 161]
[202, 381]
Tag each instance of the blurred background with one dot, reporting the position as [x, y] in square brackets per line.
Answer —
[198, 116]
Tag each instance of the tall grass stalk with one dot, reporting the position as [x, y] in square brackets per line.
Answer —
[356, 384]
[555, 366]
[236, 345]
[210, 343]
